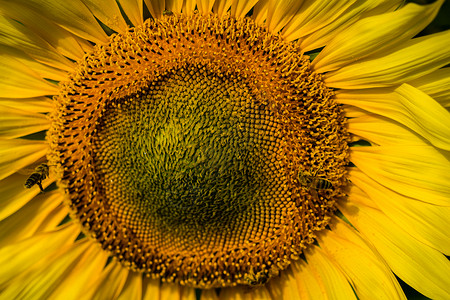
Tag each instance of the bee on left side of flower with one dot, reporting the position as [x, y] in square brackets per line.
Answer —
[40, 173]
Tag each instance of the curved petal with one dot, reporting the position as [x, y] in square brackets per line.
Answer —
[133, 287]
[38, 69]
[415, 171]
[16, 122]
[361, 263]
[426, 222]
[382, 131]
[17, 258]
[174, 5]
[26, 221]
[279, 13]
[175, 291]
[209, 294]
[71, 15]
[288, 286]
[205, 6]
[156, 7]
[221, 7]
[108, 13]
[189, 7]
[40, 282]
[335, 283]
[415, 59]
[16, 35]
[406, 105]
[240, 8]
[134, 9]
[155, 290]
[17, 154]
[359, 9]
[19, 81]
[35, 105]
[436, 85]
[88, 265]
[244, 293]
[109, 284]
[374, 35]
[312, 16]
[260, 11]
[420, 266]
[62, 40]
[151, 289]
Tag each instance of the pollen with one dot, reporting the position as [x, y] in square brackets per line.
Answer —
[201, 150]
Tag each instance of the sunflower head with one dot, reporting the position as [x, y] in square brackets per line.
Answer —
[188, 168]
[223, 150]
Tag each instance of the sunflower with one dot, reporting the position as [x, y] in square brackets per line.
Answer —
[223, 150]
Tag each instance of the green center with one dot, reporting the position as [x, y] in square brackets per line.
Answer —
[190, 156]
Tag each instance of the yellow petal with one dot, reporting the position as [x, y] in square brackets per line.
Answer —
[133, 287]
[134, 9]
[18, 36]
[19, 257]
[55, 217]
[346, 16]
[151, 289]
[209, 294]
[334, 282]
[17, 154]
[436, 85]
[63, 41]
[374, 35]
[279, 13]
[406, 105]
[156, 7]
[312, 16]
[179, 292]
[415, 171]
[420, 266]
[364, 267]
[71, 15]
[382, 131]
[174, 5]
[36, 105]
[244, 293]
[19, 81]
[16, 122]
[88, 267]
[288, 286]
[205, 6]
[109, 284]
[41, 281]
[415, 59]
[222, 6]
[309, 284]
[240, 8]
[38, 69]
[27, 220]
[189, 7]
[108, 13]
[260, 11]
[426, 223]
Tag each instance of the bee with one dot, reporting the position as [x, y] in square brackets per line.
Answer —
[167, 13]
[313, 182]
[40, 173]
[256, 279]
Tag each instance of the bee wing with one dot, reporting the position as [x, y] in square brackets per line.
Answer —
[30, 169]
[26, 171]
